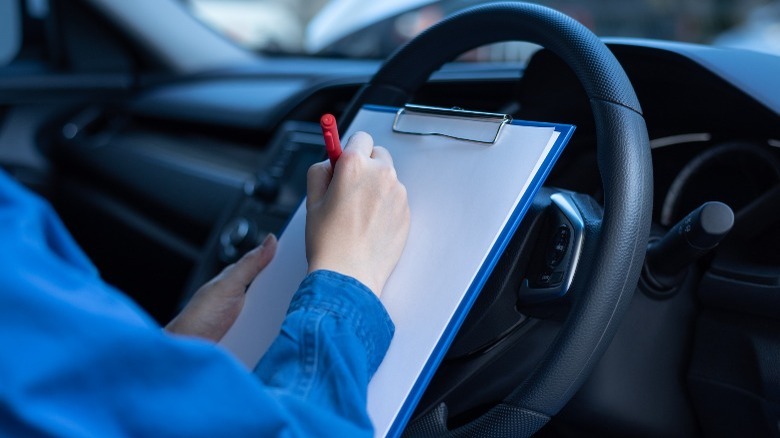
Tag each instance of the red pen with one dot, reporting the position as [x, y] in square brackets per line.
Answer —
[331, 133]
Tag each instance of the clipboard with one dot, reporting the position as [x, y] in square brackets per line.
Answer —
[470, 178]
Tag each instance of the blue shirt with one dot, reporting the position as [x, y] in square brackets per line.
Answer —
[81, 359]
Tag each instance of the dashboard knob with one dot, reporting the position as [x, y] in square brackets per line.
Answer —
[263, 187]
[237, 237]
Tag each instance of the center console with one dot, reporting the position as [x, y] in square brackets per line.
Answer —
[269, 199]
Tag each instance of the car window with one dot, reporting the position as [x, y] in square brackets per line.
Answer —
[361, 29]
[10, 31]
[22, 32]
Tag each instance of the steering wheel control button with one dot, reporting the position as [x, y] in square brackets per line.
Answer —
[549, 278]
[560, 244]
[559, 257]
[544, 278]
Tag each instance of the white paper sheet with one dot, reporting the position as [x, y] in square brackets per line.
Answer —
[461, 195]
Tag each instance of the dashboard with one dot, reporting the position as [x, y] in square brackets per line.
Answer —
[211, 163]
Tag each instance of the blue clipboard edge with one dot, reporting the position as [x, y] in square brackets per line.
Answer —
[566, 132]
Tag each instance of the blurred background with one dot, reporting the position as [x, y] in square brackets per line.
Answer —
[362, 29]
[373, 30]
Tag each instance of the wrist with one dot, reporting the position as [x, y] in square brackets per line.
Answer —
[350, 271]
[349, 301]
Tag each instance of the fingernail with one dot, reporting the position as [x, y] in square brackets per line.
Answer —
[263, 245]
[267, 239]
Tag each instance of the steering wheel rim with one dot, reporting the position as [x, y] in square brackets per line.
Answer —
[603, 292]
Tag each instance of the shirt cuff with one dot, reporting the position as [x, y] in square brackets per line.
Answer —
[353, 302]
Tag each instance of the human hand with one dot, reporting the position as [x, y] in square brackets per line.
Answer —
[216, 305]
[357, 215]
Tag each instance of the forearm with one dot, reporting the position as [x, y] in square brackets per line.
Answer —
[333, 339]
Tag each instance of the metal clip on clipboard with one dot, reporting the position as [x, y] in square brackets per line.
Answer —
[474, 126]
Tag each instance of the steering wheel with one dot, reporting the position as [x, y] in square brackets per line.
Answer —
[602, 287]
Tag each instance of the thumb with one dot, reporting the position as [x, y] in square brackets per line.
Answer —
[216, 305]
[239, 275]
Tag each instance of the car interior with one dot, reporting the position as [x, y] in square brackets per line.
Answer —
[168, 157]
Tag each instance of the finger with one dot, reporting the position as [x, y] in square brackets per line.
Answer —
[361, 143]
[317, 181]
[381, 154]
[216, 305]
[239, 275]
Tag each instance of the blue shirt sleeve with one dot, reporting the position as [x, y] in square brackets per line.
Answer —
[328, 348]
[81, 359]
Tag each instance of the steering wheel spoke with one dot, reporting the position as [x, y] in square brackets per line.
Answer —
[505, 326]
[537, 267]
[557, 255]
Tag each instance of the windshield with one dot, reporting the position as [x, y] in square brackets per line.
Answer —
[363, 29]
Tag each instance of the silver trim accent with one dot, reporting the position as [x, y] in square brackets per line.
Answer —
[573, 215]
[409, 113]
[528, 294]
[680, 139]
